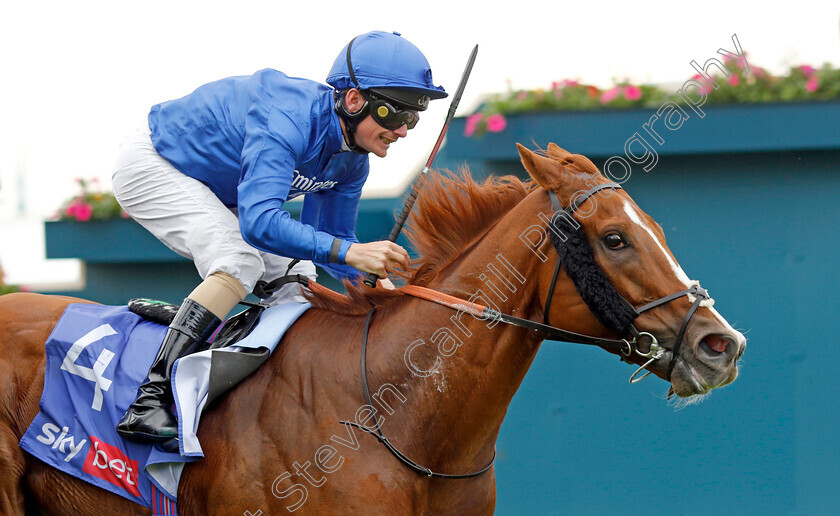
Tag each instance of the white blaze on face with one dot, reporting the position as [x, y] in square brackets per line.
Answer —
[725, 323]
[634, 216]
[681, 275]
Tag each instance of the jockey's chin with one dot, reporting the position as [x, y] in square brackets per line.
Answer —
[376, 139]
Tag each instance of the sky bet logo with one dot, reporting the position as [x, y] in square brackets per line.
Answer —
[62, 442]
[103, 460]
[108, 463]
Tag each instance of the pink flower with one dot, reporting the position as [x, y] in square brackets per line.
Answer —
[83, 211]
[522, 95]
[812, 84]
[808, 70]
[472, 124]
[610, 95]
[496, 123]
[79, 210]
[734, 80]
[632, 92]
[704, 86]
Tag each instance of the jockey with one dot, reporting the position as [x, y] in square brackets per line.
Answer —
[210, 173]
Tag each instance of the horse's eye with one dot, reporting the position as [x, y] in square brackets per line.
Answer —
[614, 241]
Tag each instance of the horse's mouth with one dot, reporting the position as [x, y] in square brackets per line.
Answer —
[709, 364]
[686, 381]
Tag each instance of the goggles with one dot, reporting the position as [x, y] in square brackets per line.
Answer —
[387, 115]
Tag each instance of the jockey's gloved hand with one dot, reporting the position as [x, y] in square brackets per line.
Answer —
[380, 258]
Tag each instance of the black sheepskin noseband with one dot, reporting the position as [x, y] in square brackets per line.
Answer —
[577, 258]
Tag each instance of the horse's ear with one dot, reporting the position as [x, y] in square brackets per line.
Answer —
[545, 171]
[557, 152]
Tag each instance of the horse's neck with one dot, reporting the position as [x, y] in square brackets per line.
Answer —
[463, 402]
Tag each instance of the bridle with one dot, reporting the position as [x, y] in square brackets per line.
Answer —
[627, 347]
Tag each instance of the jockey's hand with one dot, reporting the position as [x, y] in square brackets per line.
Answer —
[379, 258]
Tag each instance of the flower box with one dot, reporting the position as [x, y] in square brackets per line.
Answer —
[723, 128]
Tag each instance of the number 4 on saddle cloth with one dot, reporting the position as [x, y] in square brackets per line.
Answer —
[97, 357]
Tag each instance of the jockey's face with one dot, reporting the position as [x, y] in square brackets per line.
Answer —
[375, 138]
[369, 134]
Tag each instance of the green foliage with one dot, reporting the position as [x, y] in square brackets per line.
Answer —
[8, 289]
[801, 84]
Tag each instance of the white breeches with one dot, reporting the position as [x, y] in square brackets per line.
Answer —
[186, 216]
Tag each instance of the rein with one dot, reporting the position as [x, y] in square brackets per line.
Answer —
[623, 313]
[377, 431]
[620, 318]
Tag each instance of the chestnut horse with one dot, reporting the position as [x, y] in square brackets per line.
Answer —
[290, 437]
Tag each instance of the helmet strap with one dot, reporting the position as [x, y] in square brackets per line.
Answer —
[351, 121]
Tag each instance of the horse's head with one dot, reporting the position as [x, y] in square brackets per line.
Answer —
[611, 250]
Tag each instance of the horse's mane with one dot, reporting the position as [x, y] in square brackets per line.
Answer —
[452, 211]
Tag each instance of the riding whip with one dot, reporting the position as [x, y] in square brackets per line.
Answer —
[371, 278]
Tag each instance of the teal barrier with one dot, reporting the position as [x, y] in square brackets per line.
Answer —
[747, 197]
[748, 200]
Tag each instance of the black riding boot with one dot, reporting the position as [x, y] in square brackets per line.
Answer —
[149, 417]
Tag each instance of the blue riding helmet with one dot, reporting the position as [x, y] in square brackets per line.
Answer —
[393, 76]
[384, 60]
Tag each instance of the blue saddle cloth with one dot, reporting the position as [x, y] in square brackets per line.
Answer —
[97, 357]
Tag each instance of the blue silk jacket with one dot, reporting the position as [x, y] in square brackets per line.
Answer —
[258, 141]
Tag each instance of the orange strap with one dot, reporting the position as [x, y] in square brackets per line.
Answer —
[444, 299]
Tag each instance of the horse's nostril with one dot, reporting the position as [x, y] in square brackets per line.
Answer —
[714, 345]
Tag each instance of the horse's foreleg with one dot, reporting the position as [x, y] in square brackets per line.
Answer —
[11, 473]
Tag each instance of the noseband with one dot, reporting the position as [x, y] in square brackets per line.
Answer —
[575, 253]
